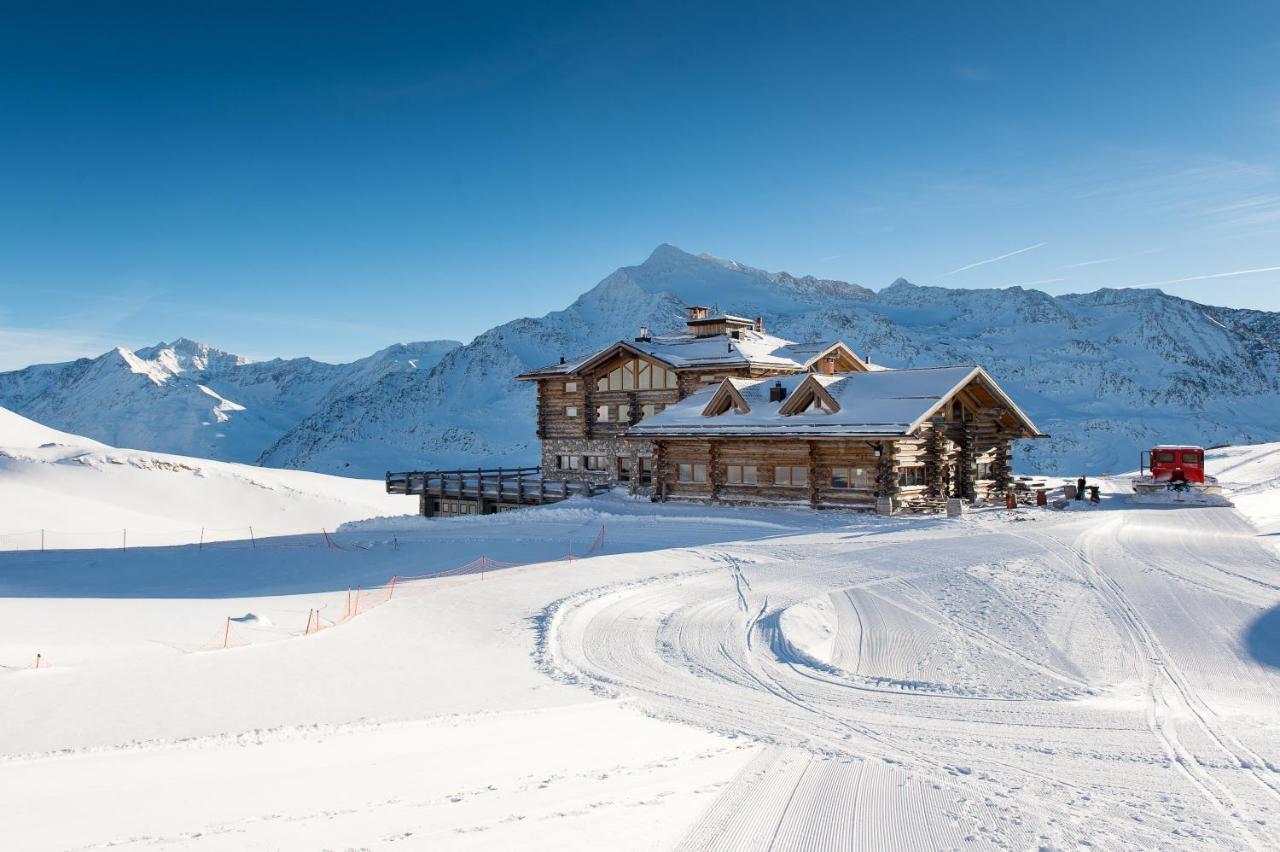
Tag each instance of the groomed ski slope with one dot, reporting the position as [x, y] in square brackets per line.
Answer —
[718, 679]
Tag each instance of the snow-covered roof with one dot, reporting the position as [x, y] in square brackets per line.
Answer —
[748, 349]
[879, 403]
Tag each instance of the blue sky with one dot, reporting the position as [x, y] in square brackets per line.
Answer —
[327, 180]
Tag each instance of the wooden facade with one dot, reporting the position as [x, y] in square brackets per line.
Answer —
[594, 421]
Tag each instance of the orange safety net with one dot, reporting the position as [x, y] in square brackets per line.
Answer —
[361, 600]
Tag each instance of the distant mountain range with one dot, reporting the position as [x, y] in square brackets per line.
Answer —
[1105, 373]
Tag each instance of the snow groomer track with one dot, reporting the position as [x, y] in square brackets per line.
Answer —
[1071, 678]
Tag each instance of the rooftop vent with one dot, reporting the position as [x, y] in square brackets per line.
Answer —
[777, 393]
[760, 324]
[561, 359]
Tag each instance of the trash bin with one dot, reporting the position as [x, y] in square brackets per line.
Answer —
[1042, 497]
[953, 507]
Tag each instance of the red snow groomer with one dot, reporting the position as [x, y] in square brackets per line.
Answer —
[1174, 468]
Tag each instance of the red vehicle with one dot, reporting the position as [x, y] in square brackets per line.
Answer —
[1175, 464]
[1173, 467]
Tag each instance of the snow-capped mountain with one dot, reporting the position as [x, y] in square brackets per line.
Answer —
[1105, 373]
[188, 398]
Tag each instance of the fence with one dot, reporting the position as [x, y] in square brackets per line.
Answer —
[230, 633]
[202, 538]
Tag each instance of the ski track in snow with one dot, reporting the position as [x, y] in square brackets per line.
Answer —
[950, 715]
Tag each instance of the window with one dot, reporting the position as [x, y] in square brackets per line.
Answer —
[646, 470]
[570, 387]
[847, 477]
[597, 462]
[637, 375]
[791, 475]
[571, 411]
[1164, 456]
[624, 412]
[602, 413]
[624, 469]
[602, 383]
[984, 470]
[910, 476]
[567, 462]
[740, 474]
[648, 410]
[692, 472]
[1191, 459]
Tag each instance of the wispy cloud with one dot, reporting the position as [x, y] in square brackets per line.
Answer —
[1102, 260]
[978, 263]
[22, 347]
[1208, 277]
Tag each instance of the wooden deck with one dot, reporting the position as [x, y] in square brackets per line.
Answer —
[483, 491]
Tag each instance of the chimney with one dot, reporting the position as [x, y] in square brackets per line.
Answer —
[777, 393]
[827, 366]
[697, 312]
[760, 325]
[561, 359]
[643, 336]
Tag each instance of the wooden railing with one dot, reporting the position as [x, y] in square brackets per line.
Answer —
[520, 485]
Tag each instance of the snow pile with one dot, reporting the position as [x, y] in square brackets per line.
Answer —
[1251, 477]
[63, 491]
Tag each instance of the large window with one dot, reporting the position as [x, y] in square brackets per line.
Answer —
[984, 470]
[597, 462]
[567, 462]
[847, 477]
[637, 375]
[791, 475]
[910, 476]
[740, 474]
[602, 413]
[689, 472]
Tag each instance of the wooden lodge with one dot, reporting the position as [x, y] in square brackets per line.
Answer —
[728, 413]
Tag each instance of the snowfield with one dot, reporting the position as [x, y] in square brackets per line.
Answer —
[712, 678]
[83, 494]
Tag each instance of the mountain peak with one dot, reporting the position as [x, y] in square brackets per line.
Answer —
[668, 252]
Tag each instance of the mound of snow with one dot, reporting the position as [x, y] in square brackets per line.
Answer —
[17, 431]
[1250, 475]
[83, 494]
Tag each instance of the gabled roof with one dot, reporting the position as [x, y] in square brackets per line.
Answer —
[871, 404]
[684, 351]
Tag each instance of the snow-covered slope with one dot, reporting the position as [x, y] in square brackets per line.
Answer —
[84, 494]
[1251, 477]
[1106, 373]
[188, 398]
